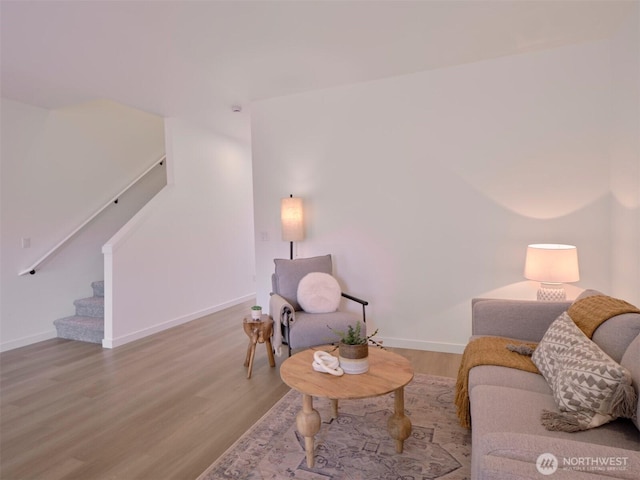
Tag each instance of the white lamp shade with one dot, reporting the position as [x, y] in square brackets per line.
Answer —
[552, 263]
[292, 219]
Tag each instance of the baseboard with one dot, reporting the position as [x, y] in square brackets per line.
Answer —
[24, 341]
[117, 342]
[422, 345]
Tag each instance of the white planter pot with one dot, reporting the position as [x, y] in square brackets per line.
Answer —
[354, 359]
[354, 366]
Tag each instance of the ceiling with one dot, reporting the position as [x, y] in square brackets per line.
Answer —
[200, 57]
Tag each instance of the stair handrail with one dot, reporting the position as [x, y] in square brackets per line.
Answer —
[41, 260]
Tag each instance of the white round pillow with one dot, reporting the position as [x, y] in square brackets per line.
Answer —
[319, 293]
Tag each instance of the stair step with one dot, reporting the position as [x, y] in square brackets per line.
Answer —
[87, 325]
[90, 307]
[98, 288]
[82, 328]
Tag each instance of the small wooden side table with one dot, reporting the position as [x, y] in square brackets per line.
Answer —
[258, 331]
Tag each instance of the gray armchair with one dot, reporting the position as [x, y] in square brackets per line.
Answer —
[294, 326]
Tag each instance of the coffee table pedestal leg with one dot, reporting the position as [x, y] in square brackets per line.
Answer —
[399, 425]
[308, 423]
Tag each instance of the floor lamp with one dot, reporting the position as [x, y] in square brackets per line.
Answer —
[292, 221]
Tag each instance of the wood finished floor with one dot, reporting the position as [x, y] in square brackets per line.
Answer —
[164, 407]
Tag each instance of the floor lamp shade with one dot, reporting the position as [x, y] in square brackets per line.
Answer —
[292, 219]
[552, 265]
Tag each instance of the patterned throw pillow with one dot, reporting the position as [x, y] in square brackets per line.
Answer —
[590, 389]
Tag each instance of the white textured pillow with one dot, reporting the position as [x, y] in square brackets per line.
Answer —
[319, 293]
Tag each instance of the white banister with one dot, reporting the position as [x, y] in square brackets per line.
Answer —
[41, 260]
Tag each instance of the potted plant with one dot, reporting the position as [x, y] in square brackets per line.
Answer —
[353, 349]
[256, 312]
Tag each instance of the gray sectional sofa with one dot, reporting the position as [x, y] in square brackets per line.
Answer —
[508, 439]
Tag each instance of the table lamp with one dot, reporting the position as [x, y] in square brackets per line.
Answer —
[552, 265]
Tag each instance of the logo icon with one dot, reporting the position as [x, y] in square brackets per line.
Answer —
[547, 463]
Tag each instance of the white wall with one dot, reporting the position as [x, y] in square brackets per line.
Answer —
[58, 167]
[190, 251]
[625, 160]
[427, 188]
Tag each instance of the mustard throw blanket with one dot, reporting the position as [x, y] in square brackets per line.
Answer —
[486, 351]
[591, 312]
[588, 314]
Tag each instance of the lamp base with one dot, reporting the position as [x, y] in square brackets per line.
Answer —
[551, 292]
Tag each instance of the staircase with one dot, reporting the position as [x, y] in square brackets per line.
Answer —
[87, 325]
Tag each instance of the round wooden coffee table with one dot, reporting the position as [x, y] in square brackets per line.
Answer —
[388, 372]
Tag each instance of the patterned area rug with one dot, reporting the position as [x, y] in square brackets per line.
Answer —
[355, 446]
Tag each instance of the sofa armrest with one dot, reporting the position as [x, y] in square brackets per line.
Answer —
[522, 319]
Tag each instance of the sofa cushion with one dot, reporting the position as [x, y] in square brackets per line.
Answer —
[515, 456]
[311, 329]
[319, 292]
[588, 386]
[631, 361]
[504, 409]
[507, 377]
[614, 335]
[589, 292]
[507, 411]
[520, 319]
[288, 274]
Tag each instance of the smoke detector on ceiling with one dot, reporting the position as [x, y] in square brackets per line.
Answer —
[236, 108]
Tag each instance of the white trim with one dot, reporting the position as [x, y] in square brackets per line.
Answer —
[422, 345]
[117, 342]
[108, 295]
[28, 340]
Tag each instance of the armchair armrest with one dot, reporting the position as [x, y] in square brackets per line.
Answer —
[522, 319]
[282, 313]
[364, 303]
[355, 299]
